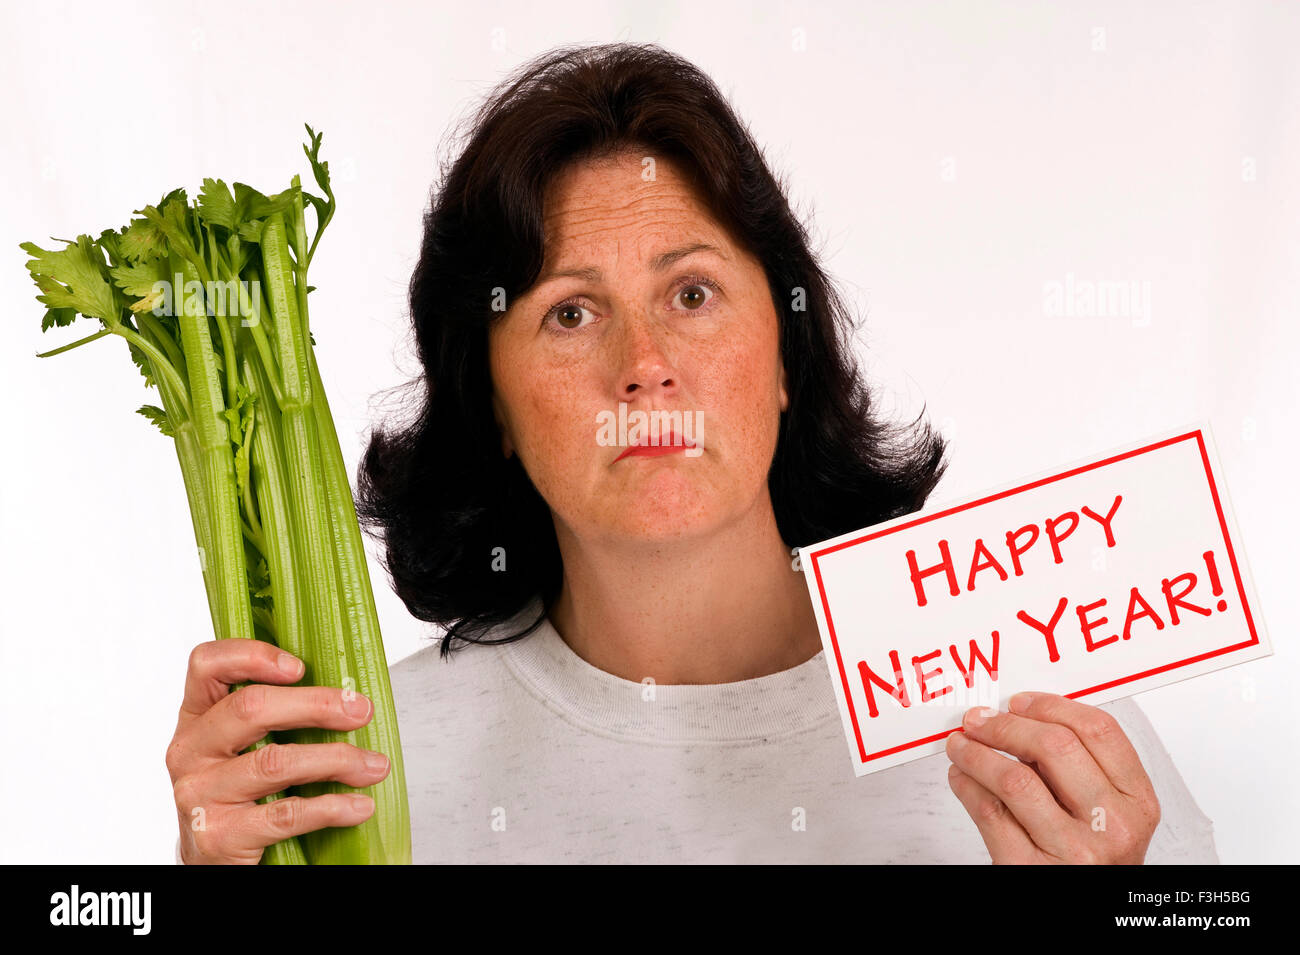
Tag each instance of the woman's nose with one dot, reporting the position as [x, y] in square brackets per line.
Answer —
[646, 367]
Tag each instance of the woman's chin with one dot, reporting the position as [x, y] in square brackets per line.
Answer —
[665, 509]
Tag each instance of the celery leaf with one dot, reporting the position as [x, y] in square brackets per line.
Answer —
[320, 170]
[217, 205]
[240, 418]
[142, 240]
[142, 362]
[57, 317]
[73, 277]
[173, 221]
[158, 417]
[251, 204]
[138, 280]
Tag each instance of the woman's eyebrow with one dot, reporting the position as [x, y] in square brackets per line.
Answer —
[658, 263]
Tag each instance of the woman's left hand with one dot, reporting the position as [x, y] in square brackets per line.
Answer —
[1078, 793]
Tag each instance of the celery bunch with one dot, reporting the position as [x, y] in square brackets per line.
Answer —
[211, 298]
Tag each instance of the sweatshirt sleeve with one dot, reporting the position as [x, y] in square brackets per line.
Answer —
[1185, 835]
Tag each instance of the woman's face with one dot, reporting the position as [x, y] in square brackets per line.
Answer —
[654, 334]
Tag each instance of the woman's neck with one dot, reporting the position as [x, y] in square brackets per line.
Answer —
[719, 608]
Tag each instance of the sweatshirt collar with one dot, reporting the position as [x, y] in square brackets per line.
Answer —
[779, 704]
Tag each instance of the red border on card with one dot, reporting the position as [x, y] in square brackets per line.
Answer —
[1223, 525]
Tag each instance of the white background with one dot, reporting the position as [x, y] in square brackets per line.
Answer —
[951, 159]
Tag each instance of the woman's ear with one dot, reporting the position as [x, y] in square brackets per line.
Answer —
[785, 397]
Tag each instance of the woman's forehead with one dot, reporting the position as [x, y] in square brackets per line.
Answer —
[620, 191]
[614, 207]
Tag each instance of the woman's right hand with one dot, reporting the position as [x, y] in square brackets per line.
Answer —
[217, 785]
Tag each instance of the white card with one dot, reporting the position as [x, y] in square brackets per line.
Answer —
[1134, 554]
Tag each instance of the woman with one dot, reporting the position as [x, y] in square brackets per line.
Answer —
[639, 675]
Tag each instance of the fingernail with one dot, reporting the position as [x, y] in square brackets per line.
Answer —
[357, 707]
[979, 714]
[1020, 702]
[362, 803]
[289, 664]
[958, 739]
[376, 762]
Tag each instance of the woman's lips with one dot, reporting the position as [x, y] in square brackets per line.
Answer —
[668, 444]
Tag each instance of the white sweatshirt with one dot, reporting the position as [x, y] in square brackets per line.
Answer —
[524, 752]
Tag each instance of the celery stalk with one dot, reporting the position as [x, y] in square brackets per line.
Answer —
[364, 643]
[217, 463]
[264, 476]
[315, 515]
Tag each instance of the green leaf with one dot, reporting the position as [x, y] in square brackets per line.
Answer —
[245, 198]
[142, 362]
[217, 205]
[110, 241]
[173, 219]
[58, 316]
[251, 231]
[74, 277]
[142, 240]
[241, 467]
[138, 280]
[158, 417]
[320, 205]
[251, 204]
[259, 583]
[320, 170]
[240, 418]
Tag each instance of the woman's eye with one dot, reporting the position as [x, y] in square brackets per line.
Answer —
[567, 315]
[695, 295]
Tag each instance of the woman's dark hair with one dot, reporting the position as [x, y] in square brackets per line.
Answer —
[438, 489]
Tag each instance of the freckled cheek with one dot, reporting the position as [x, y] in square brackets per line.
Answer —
[746, 398]
[559, 433]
